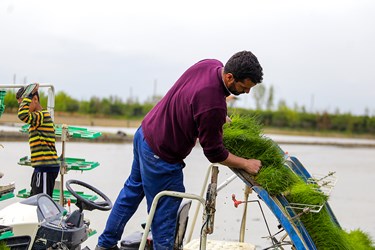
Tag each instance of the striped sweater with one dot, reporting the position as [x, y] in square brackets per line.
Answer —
[41, 138]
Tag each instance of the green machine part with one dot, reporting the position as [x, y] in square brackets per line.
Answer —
[5, 232]
[74, 132]
[77, 164]
[2, 105]
[56, 195]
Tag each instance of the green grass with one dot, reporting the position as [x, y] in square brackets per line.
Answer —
[3, 246]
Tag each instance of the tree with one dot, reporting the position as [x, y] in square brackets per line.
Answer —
[282, 105]
[94, 105]
[10, 100]
[269, 104]
[65, 103]
[116, 106]
[259, 95]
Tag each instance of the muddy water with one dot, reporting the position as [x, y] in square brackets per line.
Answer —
[352, 200]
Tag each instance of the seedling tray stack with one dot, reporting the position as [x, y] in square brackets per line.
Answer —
[56, 195]
[76, 164]
[6, 191]
[74, 132]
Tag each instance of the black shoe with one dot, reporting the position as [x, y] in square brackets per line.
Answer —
[115, 247]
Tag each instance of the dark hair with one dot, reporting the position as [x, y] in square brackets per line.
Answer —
[22, 90]
[20, 93]
[244, 65]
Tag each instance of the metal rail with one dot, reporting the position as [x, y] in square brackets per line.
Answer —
[51, 94]
[205, 182]
[153, 209]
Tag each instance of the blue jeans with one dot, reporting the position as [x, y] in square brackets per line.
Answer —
[149, 176]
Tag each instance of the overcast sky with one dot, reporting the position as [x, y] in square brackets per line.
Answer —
[317, 54]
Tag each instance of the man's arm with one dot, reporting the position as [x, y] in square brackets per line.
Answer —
[211, 140]
[251, 166]
[24, 114]
[23, 110]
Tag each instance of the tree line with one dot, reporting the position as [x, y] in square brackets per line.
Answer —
[281, 117]
[111, 106]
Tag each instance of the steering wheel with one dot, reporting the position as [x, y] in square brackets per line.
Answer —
[85, 204]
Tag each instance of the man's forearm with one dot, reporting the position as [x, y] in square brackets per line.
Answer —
[251, 166]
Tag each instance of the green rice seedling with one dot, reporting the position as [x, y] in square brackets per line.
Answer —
[304, 193]
[250, 124]
[3, 246]
[360, 240]
[243, 137]
[276, 179]
[253, 147]
[270, 153]
[240, 138]
[323, 231]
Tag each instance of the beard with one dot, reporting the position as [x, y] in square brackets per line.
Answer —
[232, 89]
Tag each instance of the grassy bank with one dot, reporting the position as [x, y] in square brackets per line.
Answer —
[79, 120]
[75, 120]
[286, 131]
[103, 121]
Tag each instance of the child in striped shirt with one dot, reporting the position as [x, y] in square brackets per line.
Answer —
[42, 140]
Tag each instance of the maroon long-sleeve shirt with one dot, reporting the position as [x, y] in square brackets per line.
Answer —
[195, 107]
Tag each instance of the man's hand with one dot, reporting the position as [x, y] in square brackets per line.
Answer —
[228, 120]
[252, 166]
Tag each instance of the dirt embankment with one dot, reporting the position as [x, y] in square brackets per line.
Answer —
[10, 119]
[79, 120]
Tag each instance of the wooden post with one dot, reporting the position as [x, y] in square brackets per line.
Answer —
[63, 168]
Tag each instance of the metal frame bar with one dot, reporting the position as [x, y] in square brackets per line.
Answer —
[50, 99]
[204, 187]
[154, 204]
